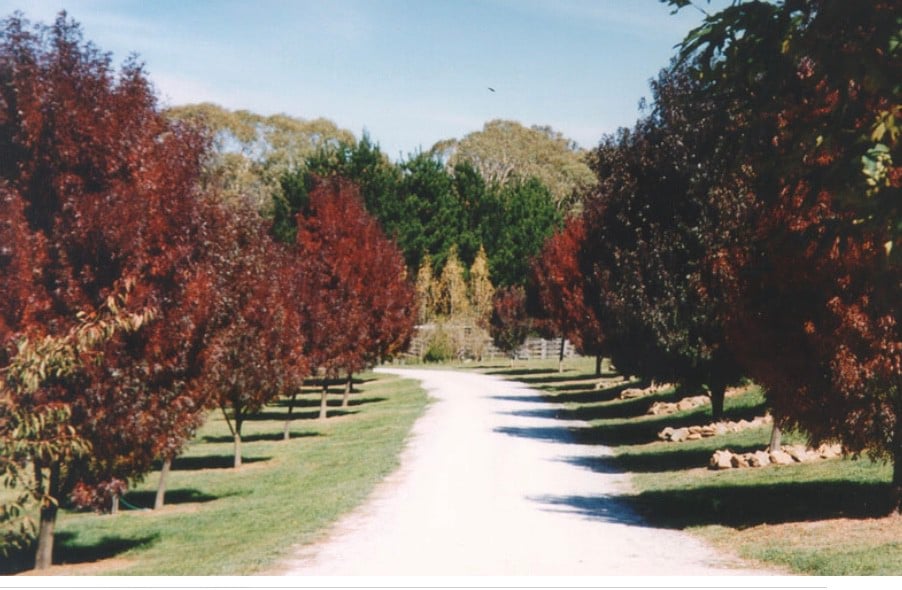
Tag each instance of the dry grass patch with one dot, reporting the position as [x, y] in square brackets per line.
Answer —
[831, 547]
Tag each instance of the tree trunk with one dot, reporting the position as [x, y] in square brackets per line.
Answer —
[114, 504]
[718, 393]
[322, 401]
[349, 386]
[160, 500]
[235, 430]
[239, 421]
[598, 365]
[288, 420]
[44, 554]
[776, 437]
[560, 359]
[237, 439]
[896, 485]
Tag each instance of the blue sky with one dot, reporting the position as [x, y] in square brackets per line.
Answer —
[408, 72]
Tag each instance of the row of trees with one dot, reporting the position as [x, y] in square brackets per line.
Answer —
[504, 188]
[428, 209]
[749, 224]
[136, 297]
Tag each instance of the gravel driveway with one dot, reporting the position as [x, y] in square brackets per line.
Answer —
[491, 483]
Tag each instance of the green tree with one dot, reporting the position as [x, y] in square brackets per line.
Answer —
[377, 178]
[431, 218]
[516, 229]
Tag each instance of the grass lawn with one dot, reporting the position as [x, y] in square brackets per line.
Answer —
[222, 521]
[824, 518]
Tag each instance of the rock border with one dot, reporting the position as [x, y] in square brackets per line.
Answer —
[786, 455]
[671, 434]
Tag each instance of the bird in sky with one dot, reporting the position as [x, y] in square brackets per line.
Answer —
[491, 89]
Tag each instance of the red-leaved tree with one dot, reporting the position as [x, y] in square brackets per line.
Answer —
[253, 345]
[510, 323]
[98, 190]
[357, 303]
[560, 286]
[814, 111]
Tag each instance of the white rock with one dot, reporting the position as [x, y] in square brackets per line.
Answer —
[781, 458]
[721, 460]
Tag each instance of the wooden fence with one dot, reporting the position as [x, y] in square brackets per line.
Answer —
[472, 342]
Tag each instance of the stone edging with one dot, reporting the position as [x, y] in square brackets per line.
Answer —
[787, 455]
[671, 434]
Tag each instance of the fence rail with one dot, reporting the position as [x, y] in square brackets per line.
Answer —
[470, 341]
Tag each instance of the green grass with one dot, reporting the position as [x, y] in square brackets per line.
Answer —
[822, 518]
[222, 521]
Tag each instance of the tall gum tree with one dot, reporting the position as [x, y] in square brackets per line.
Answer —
[251, 151]
[504, 151]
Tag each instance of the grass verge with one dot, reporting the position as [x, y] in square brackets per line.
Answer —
[223, 521]
[825, 518]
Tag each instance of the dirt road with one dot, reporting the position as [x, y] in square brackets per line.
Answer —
[491, 483]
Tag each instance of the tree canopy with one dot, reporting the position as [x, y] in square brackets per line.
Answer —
[251, 151]
[506, 150]
[98, 191]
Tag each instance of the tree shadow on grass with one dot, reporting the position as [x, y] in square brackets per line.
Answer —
[633, 432]
[622, 409]
[334, 410]
[520, 372]
[145, 498]
[740, 506]
[671, 458]
[556, 377]
[646, 429]
[266, 436]
[589, 395]
[334, 401]
[67, 550]
[211, 462]
[733, 506]
[585, 387]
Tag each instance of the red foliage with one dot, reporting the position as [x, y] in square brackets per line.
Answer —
[357, 304]
[252, 347]
[510, 324]
[96, 188]
[560, 285]
[816, 317]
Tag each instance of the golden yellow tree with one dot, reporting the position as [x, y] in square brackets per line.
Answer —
[425, 291]
[481, 288]
[452, 298]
